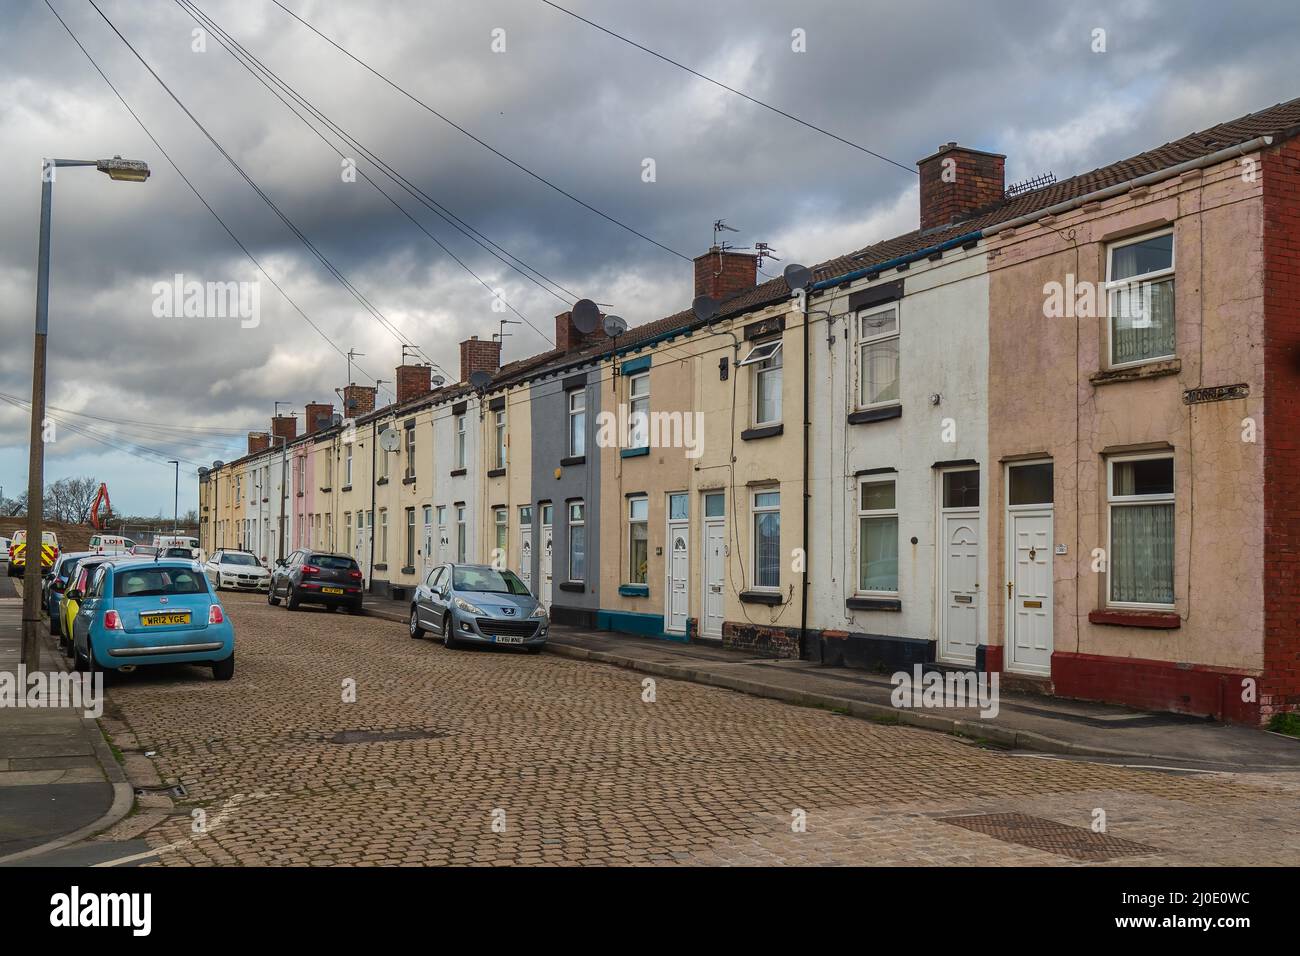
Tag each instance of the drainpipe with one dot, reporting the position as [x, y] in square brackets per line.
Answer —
[374, 440]
[807, 427]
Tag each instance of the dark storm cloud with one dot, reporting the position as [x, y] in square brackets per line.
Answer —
[577, 106]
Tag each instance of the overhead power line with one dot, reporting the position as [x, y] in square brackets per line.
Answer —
[730, 89]
[302, 237]
[198, 195]
[488, 146]
[243, 57]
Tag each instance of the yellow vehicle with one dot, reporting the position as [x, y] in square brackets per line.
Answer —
[82, 575]
[18, 552]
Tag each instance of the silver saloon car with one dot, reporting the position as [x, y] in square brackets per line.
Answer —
[478, 604]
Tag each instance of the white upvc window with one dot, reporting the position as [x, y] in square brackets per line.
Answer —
[877, 537]
[499, 427]
[410, 452]
[766, 546]
[462, 535]
[577, 422]
[577, 541]
[347, 466]
[638, 419]
[1140, 505]
[501, 522]
[383, 535]
[1140, 298]
[766, 360]
[638, 539]
[878, 364]
[347, 532]
[460, 441]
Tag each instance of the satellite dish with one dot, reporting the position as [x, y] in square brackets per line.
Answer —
[797, 276]
[705, 307]
[585, 315]
[614, 326]
[217, 464]
[203, 472]
[480, 380]
[389, 440]
[438, 381]
[336, 419]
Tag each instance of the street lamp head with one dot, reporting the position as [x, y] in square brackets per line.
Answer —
[124, 170]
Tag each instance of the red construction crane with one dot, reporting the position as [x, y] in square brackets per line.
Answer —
[96, 520]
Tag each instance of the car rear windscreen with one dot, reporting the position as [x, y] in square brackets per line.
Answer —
[152, 581]
[333, 562]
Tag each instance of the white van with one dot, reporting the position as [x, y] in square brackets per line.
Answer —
[163, 542]
[110, 544]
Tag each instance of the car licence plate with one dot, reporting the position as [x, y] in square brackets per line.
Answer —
[331, 590]
[158, 618]
[509, 639]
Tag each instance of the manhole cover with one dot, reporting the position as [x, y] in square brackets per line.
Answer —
[1077, 843]
[382, 736]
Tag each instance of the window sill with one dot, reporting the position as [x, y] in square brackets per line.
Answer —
[869, 415]
[457, 472]
[576, 586]
[326, 491]
[761, 597]
[873, 604]
[1134, 373]
[634, 452]
[382, 481]
[409, 569]
[409, 481]
[496, 473]
[301, 493]
[346, 488]
[1157, 620]
[265, 500]
[762, 431]
[381, 567]
[633, 590]
[573, 460]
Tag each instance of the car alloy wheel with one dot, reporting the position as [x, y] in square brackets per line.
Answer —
[291, 598]
[417, 632]
[448, 641]
[271, 599]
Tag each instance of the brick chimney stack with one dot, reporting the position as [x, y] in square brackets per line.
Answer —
[358, 400]
[258, 442]
[567, 336]
[317, 415]
[721, 273]
[957, 181]
[413, 381]
[284, 427]
[477, 355]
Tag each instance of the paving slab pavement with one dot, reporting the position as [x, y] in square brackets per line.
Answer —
[59, 782]
[1023, 721]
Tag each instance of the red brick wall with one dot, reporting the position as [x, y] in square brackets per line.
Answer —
[258, 441]
[284, 426]
[1153, 685]
[478, 355]
[1280, 686]
[363, 396]
[977, 180]
[413, 381]
[723, 274]
[567, 337]
[312, 415]
[779, 642]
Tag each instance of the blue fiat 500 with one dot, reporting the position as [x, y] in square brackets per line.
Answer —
[140, 611]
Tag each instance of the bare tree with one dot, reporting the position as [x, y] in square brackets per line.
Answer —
[81, 493]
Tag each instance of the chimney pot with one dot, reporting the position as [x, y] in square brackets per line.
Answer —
[957, 181]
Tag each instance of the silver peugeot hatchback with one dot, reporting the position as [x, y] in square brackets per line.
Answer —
[478, 604]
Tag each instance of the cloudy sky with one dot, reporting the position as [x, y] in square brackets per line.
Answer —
[577, 107]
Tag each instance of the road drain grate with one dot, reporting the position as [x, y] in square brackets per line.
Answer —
[383, 736]
[1077, 843]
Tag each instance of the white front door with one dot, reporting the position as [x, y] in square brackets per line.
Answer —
[442, 544]
[1030, 555]
[545, 596]
[526, 554]
[959, 621]
[679, 564]
[363, 551]
[426, 552]
[714, 568]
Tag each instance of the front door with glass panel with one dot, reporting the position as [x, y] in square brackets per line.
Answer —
[713, 566]
[1029, 568]
[548, 512]
[959, 589]
[679, 563]
[526, 545]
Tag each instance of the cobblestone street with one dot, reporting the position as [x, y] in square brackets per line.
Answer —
[496, 758]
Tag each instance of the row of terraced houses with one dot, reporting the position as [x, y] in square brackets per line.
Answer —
[1051, 433]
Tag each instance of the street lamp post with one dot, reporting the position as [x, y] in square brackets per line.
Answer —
[120, 170]
[176, 497]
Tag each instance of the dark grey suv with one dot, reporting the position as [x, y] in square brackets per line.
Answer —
[316, 577]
